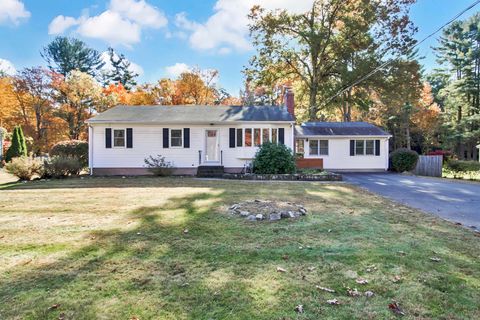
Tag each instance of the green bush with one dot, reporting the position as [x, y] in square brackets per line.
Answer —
[463, 166]
[159, 166]
[18, 147]
[403, 160]
[274, 158]
[24, 167]
[59, 167]
[75, 149]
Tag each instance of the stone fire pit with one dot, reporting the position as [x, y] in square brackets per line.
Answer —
[257, 210]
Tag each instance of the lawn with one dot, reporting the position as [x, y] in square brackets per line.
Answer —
[113, 248]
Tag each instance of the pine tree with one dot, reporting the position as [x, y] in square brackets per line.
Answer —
[18, 147]
[121, 71]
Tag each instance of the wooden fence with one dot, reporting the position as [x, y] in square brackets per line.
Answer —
[429, 166]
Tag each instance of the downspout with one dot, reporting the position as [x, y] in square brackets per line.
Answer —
[90, 149]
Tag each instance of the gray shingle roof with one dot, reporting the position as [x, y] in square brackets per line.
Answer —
[339, 129]
[192, 114]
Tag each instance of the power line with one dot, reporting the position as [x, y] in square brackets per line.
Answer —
[383, 65]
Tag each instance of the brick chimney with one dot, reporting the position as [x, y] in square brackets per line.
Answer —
[289, 101]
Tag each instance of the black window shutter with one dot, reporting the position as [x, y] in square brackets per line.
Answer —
[129, 138]
[186, 137]
[281, 135]
[377, 147]
[352, 147]
[239, 137]
[165, 137]
[108, 138]
[232, 137]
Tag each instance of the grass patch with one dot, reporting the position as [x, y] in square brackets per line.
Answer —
[112, 248]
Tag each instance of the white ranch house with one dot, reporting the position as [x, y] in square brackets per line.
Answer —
[226, 137]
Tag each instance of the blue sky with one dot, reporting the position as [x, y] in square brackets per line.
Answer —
[164, 37]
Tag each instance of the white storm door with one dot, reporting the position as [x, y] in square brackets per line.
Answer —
[211, 145]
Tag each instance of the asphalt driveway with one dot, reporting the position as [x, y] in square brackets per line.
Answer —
[452, 200]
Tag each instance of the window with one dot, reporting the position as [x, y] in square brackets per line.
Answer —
[364, 147]
[239, 137]
[369, 147]
[275, 135]
[248, 137]
[256, 137]
[313, 144]
[323, 147]
[300, 146]
[119, 138]
[318, 147]
[359, 147]
[265, 135]
[176, 138]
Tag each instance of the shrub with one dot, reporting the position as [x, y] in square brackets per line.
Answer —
[24, 167]
[18, 147]
[60, 167]
[75, 149]
[158, 165]
[463, 166]
[273, 158]
[403, 160]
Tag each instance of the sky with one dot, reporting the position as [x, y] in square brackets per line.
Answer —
[163, 38]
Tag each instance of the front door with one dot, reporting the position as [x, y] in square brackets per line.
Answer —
[211, 145]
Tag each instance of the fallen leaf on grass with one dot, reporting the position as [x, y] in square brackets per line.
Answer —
[397, 279]
[369, 294]
[134, 318]
[54, 306]
[61, 316]
[402, 253]
[285, 257]
[311, 269]
[353, 292]
[280, 269]
[395, 308]
[333, 302]
[299, 308]
[185, 231]
[361, 281]
[325, 289]
[435, 259]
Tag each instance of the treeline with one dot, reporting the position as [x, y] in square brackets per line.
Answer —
[52, 104]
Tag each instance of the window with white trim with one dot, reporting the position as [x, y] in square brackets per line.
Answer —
[364, 147]
[318, 147]
[176, 138]
[119, 138]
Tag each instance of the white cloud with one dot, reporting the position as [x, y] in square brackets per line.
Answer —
[177, 69]
[227, 28]
[140, 12]
[61, 23]
[121, 24]
[7, 67]
[111, 27]
[108, 65]
[13, 11]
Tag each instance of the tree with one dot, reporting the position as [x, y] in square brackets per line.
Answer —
[8, 103]
[63, 55]
[18, 147]
[33, 92]
[121, 72]
[312, 48]
[457, 86]
[79, 95]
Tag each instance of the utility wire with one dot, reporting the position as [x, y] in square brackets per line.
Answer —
[383, 65]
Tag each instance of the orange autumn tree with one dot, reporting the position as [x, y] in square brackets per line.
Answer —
[8, 103]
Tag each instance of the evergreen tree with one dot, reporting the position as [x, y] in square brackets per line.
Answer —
[64, 55]
[120, 72]
[18, 147]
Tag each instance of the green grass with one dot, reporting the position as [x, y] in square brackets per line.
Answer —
[112, 248]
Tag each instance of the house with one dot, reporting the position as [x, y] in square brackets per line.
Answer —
[197, 137]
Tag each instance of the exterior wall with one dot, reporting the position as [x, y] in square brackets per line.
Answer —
[339, 158]
[148, 140]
